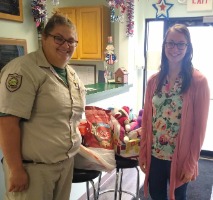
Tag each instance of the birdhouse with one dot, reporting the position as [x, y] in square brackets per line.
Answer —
[121, 75]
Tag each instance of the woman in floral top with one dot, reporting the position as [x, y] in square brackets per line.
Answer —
[174, 119]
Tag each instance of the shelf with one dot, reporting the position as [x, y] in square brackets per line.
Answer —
[102, 91]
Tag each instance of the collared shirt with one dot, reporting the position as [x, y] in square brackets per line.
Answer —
[31, 89]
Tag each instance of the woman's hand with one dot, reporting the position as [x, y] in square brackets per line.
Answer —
[185, 177]
[143, 167]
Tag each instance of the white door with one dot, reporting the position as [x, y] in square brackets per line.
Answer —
[202, 42]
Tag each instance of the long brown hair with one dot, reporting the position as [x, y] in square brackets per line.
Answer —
[186, 68]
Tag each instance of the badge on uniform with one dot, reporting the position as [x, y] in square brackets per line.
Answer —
[13, 82]
[76, 83]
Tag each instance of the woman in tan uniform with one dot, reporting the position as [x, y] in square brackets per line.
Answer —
[41, 104]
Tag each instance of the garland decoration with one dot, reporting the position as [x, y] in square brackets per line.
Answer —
[115, 4]
[124, 6]
[130, 18]
[39, 13]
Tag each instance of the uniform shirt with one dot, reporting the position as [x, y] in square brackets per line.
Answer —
[167, 107]
[32, 90]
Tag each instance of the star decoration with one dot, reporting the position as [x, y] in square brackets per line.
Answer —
[162, 8]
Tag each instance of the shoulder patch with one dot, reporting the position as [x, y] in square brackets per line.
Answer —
[13, 82]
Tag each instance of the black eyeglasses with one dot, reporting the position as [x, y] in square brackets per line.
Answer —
[180, 45]
[60, 40]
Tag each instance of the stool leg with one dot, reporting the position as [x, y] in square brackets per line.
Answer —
[99, 184]
[94, 190]
[120, 184]
[116, 183]
[137, 184]
[87, 187]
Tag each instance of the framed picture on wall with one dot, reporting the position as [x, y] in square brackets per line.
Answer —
[86, 72]
[10, 49]
[11, 10]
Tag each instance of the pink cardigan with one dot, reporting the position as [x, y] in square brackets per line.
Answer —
[191, 134]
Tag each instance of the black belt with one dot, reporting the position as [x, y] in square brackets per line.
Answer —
[31, 161]
[27, 162]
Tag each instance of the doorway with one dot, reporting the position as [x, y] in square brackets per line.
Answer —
[202, 41]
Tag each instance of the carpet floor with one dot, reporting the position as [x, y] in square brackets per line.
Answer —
[201, 189]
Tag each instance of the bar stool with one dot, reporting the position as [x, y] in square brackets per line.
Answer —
[123, 163]
[81, 175]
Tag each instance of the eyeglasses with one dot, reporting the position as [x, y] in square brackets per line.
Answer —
[180, 45]
[60, 40]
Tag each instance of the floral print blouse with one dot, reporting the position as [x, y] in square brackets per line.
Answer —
[166, 119]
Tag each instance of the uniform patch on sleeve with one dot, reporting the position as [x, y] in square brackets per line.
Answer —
[13, 82]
